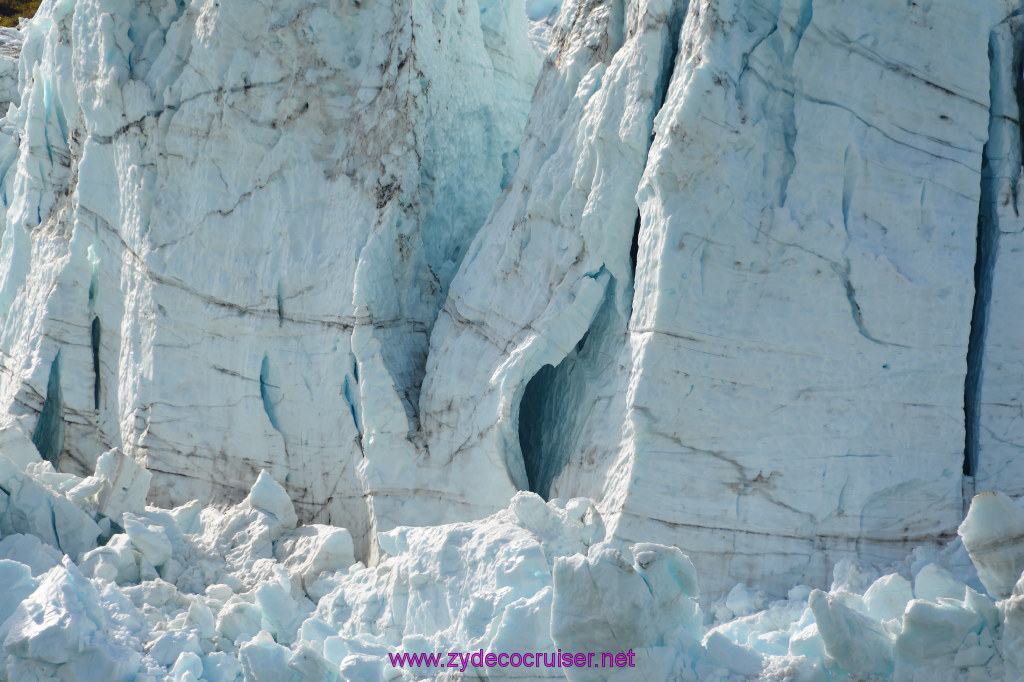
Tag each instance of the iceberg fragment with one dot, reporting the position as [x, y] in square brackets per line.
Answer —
[30, 551]
[887, 597]
[931, 630]
[62, 630]
[27, 506]
[605, 602]
[934, 582]
[18, 585]
[118, 485]
[856, 643]
[993, 533]
[737, 658]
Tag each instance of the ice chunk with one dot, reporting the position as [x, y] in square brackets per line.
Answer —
[268, 496]
[856, 643]
[993, 534]
[933, 582]
[742, 600]
[62, 623]
[119, 485]
[310, 550]
[887, 597]
[1013, 630]
[16, 444]
[165, 647]
[239, 620]
[807, 642]
[525, 625]
[852, 577]
[188, 516]
[243, 537]
[984, 607]
[220, 666]
[149, 539]
[362, 667]
[28, 507]
[116, 561]
[263, 660]
[931, 630]
[738, 658]
[604, 602]
[281, 615]
[18, 584]
[188, 666]
[31, 551]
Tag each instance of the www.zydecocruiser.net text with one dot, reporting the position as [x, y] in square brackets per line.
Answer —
[463, 660]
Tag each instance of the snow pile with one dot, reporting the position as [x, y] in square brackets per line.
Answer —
[123, 591]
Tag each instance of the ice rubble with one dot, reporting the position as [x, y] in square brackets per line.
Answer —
[194, 593]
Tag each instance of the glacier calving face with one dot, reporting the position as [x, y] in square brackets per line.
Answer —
[742, 273]
[806, 262]
[555, 259]
[784, 382]
[999, 401]
[229, 229]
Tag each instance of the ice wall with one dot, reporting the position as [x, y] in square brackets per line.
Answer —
[806, 268]
[554, 261]
[998, 406]
[746, 278]
[783, 379]
[234, 223]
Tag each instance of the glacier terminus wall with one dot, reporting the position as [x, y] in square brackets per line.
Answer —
[745, 273]
[233, 228]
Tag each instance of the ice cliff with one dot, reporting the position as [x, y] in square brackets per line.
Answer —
[229, 228]
[807, 354]
[745, 274]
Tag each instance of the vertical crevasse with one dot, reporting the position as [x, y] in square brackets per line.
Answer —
[268, 393]
[48, 436]
[993, 394]
[95, 335]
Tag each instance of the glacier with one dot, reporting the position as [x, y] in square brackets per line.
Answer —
[333, 330]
